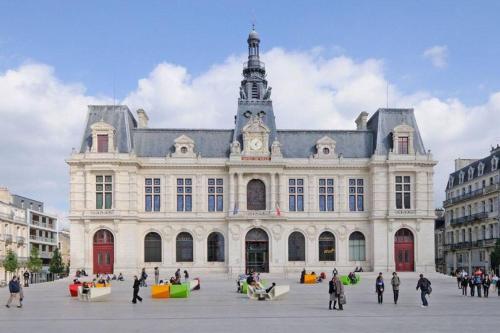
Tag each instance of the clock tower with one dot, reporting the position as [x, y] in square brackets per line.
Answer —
[255, 127]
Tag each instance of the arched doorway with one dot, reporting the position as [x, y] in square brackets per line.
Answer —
[256, 195]
[104, 252]
[404, 251]
[257, 251]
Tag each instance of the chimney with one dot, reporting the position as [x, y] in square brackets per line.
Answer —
[143, 118]
[5, 195]
[361, 121]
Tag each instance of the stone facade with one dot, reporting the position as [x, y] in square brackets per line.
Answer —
[143, 197]
[472, 209]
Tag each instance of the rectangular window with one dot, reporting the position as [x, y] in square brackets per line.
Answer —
[296, 195]
[403, 192]
[184, 194]
[152, 190]
[102, 143]
[356, 195]
[326, 192]
[104, 192]
[215, 194]
[403, 145]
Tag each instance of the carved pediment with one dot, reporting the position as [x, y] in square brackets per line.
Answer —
[184, 147]
[325, 148]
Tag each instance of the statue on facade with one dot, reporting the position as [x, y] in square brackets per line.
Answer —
[243, 95]
[267, 95]
[235, 147]
[276, 148]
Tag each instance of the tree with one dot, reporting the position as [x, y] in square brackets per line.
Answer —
[56, 263]
[10, 263]
[495, 256]
[34, 262]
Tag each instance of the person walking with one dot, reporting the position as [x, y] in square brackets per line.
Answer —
[465, 284]
[425, 289]
[471, 286]
[478, 281]
[137, 284]
[186, 276]
[157, 275]
[26, 276]
[339, 293]
[379, 288]
[331, 291]
[395, 282]
[144, 276]
[486, 285]
[14, 289]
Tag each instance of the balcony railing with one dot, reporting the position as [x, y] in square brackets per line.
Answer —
[43, 225]
[476, 193]
[470, 218]
[7, 238]
[253, 64]
[20, 240]
[487, 242]
[43, 239]
[45, 254]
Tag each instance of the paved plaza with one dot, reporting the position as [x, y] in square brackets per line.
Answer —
[218, 308]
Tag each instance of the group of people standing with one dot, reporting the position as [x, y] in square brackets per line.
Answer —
[477, 282]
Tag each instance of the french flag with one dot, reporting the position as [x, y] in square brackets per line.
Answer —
[278, 211]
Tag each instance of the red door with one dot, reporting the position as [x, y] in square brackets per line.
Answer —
[104, 255]
[404, 251]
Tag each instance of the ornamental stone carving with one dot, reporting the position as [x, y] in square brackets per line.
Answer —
[277, 230]
[199, 232]
[311, 232]
[235, 231]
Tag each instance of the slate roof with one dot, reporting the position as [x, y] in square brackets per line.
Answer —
[215, 143]
[487, 169]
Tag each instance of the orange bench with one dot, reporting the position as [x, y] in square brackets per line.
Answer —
[160, 291]
[310, 278]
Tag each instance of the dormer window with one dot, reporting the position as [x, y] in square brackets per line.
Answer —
[494, 163]
[184, 150]
[451, 181]
[461, 176]
[325, 148]
[402, 140]
[102, 138]
[326, 151]
[184, 147]
[102, 143]
[480, 169]
[471, 173]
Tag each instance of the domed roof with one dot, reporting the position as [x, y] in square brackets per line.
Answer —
[253, 35]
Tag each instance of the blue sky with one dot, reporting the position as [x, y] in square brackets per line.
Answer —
[101, 42]
[181, 61]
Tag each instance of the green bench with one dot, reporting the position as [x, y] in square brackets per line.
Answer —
[346, 281]
[180, 290]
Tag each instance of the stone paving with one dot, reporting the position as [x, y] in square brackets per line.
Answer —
[218, 308]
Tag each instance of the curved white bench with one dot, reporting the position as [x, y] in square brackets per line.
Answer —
[278, 292]
[94, 294]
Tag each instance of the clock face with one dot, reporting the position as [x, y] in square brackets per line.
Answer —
[255, 144]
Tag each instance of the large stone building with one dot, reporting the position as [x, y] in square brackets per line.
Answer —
[472, 208]
[252, 197]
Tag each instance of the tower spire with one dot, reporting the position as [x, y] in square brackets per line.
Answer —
[254, 84]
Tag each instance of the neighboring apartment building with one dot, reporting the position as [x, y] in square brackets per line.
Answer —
[252, 197]
[14, 230]
[41, 228]
[472, 212]
[64, 245]
[439, 240]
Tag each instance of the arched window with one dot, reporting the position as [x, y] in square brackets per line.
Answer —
[296, 247]
[184, 247]
[215, 247]
[152, 247]
[357, 247]
[256, 195]
[405, 236]
[326, 246]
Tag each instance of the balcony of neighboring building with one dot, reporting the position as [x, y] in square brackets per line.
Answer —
[7, 238]
[471, 195]
[43, 239]
[43, 222]
[469, 218]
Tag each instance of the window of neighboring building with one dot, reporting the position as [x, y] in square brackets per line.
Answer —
[463, 235]
[296, 247]
[152, 247]
[152, 192]
[184, 247]
[403, 192]
[482, 256]
[484, 183]
[326, 246]
[215, 247]
[356, 195]
[184, 194]
[471, 173]
[296, 194]
[215, 194]
[490, 201]
[492, 231]
[494, 163]
[104, 192]
[403, 145]
[483, 232]
[357, 247]
[102, 143]
[326, 199]
[480, 169]
[470, 234]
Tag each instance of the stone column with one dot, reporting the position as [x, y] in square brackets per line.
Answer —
[282, 192]
[241, 193]
[273, 191]
[231, 193]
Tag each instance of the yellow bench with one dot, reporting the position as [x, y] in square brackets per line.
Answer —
[160, 291]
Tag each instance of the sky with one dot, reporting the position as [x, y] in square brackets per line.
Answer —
[181, 61]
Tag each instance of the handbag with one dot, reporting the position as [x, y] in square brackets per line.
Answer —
[342, 299]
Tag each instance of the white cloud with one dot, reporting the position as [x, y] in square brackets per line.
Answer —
[438, 55]
[42, 117]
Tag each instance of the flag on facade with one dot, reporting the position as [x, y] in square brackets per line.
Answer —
[235, 210]
[278, 211]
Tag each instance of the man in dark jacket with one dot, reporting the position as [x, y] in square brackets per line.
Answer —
[379, 288]
[26, 276]
[425, 288]
[137, 284]
[14, 289]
